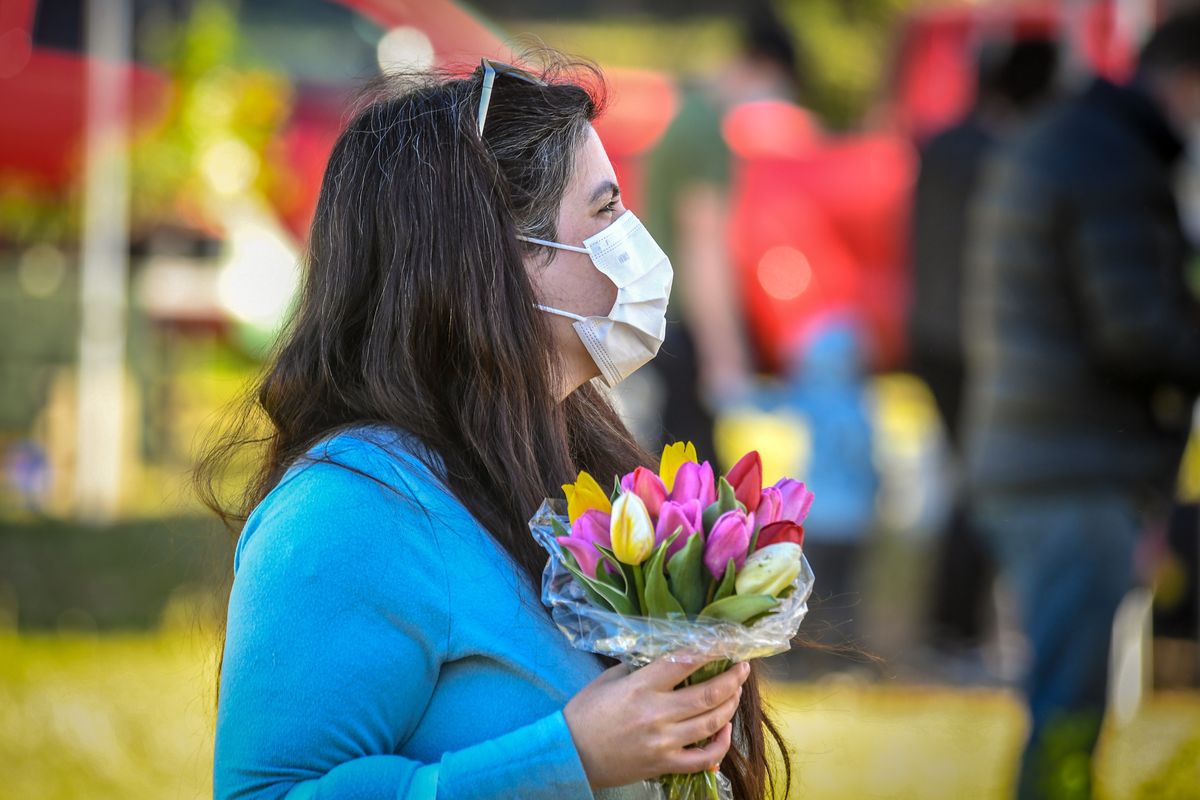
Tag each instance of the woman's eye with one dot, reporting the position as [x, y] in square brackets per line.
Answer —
[611, 207]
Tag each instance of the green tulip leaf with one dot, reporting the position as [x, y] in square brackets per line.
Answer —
[659, 600]
[559, 528]
[726, 498]
[624, 570]
[726, 501]
[612, 498]
[710, 516]
[739, 608]
[686, 571]
[573, 566]
[726, 587]
[601, 593]
[615, 580]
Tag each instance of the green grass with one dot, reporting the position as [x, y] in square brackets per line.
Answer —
[129, 716]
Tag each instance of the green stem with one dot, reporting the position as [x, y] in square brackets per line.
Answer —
[640, 582]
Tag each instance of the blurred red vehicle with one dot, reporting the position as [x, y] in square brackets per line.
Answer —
[324, 47]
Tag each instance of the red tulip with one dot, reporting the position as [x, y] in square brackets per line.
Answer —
[780, 532]
[746, 480]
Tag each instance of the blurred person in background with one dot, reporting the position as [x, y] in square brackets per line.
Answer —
[827, 383]
[705, 363]
[1014, 79]
[1083, 367]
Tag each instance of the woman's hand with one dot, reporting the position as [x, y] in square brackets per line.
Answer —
[629, 727]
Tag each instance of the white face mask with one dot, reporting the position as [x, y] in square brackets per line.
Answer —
[631, 333]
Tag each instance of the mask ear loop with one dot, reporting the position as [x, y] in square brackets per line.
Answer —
[559, 312]
[549, 243]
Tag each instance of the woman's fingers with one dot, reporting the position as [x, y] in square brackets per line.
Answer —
[664, 674]
[707, 724]
[695, 759]
[693, 700]
[631, 726]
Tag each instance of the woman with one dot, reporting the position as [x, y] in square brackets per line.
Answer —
[385, 636]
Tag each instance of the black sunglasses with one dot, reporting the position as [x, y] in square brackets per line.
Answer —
[490, 70]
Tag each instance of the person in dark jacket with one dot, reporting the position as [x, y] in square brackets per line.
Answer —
[1013, 80]
[1084, 364]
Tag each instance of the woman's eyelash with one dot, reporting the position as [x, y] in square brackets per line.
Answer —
[612, 205]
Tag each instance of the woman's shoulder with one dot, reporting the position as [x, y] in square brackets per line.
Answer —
[361, 493]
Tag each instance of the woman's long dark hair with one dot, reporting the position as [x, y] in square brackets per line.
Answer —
[417, 313]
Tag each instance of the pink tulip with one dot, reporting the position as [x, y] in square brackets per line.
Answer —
[770, 506]
[648, 486]
[589, 530]
[695, 482]
[780, 532]
[674, 516]
[746, 480]
[797, 500]
[728, 539]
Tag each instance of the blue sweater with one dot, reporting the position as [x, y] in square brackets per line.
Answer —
[380, 644]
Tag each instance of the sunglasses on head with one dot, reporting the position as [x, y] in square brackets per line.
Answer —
[490, 70]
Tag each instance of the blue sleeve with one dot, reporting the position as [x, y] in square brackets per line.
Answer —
[339, 620]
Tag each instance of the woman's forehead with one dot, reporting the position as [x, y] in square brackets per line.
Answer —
[593, 171]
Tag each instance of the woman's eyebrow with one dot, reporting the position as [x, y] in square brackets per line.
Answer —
[608, 188]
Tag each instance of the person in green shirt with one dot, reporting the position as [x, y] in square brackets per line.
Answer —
[705, 363]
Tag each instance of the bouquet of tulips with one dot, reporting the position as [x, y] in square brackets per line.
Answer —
[681, 561]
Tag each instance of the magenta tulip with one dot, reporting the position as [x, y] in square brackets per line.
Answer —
[648, 486]
[729, 538]
[746, 480]
[797, 500]
[684, 517]
[770, 506]
[695, 482]
[589, 530]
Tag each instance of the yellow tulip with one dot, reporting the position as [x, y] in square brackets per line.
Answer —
[632, 531]
[583, 495]
[674, 456]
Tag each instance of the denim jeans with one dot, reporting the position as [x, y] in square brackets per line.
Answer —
[1068, 560]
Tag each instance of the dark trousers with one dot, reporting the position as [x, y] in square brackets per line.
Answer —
[959, 603]
[1068, 560]
[685, 417]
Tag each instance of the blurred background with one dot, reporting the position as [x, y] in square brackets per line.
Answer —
[159, 165]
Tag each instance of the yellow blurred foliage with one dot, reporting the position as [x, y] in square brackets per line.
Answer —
[130, 716]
